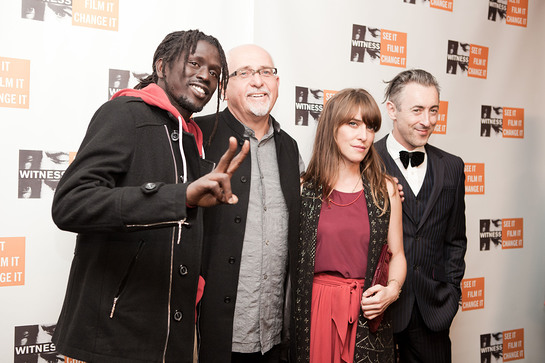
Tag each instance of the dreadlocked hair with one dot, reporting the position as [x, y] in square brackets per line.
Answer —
[184, 43]
[322, 171]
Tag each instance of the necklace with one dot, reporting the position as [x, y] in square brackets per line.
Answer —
[346, 204]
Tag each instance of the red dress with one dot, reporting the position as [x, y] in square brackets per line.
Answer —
[340, 266]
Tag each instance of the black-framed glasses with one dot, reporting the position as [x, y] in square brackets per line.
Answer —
[248, 72]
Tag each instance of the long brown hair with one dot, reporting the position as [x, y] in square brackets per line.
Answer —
[323, 167]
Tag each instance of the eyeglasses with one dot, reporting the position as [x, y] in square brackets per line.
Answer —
[248, 72]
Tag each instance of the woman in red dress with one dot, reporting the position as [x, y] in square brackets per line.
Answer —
[350, 208]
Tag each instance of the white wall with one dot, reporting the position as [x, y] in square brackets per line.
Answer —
[310, 43]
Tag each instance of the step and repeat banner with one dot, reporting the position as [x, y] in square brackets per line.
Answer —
[61, 59]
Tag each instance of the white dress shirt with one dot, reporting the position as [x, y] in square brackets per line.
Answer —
[414, 175]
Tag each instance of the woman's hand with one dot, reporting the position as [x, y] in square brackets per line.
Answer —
[376, 299]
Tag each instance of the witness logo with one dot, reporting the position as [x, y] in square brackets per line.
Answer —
[505, 121]
[491, 347]
[512, 12]
[473, 294]
[466, 58]
[47, 10]
[33, 344]
[507, 233]
[491, 121]
[40, 172]
[309, 103]
[489, 233]
[474, 183]
[119, 79]
[99, 14]
[12, 261]
[441, 125]
[437, 4]
[14, 82]
[376, 45]
[502, 346]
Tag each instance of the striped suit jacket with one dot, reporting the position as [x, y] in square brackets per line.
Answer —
[434, 244]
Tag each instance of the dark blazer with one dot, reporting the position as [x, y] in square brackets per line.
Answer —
[224, 227]
[435, 246]
[127, 300]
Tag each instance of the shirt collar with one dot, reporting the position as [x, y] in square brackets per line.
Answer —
[394, 147]
[273, 126]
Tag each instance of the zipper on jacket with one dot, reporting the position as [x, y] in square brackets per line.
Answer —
[126, 278]
[180, 223]
[113, 307]
[172, 241]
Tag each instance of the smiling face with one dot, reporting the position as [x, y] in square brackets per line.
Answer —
[415, 116]
[190, 85]
[251, 99]
[354, 138]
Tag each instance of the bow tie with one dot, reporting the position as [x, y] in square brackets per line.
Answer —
[416, 158]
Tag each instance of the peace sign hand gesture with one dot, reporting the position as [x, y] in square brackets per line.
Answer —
[215, 187]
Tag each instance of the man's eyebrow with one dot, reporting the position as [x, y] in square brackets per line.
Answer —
[421, 106]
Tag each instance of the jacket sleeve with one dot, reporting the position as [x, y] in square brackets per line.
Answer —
[456, 241]
[96, 193]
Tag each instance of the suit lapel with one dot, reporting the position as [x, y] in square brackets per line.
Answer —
[438, 168]
[393, 170]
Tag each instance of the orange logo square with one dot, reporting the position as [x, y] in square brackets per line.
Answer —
[512, 233]
[99, 14]
[72, 360]
[473, 294]
[441, 126]
[328, 94]
[442, 4]
[12, 261]
[513, 345]
[517, 12]
[513, 122]
[14, 82]
[393, 48]
[474, 178]
[478, 61]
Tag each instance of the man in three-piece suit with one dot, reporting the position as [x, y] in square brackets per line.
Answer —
[434, 231]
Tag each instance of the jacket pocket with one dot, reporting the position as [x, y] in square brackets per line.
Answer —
[123, 283]
[439, 273]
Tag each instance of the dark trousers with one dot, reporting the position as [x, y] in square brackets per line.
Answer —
[272, 356]
[418, 344]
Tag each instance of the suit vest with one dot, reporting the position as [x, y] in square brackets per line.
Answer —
[417, 204]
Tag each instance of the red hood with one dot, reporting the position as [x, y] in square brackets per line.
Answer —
[155, 96]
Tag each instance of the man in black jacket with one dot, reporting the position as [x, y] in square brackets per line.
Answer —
[247, 247]
[131, 194]
[434, 230]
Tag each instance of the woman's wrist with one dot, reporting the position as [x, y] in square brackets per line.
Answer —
[398, 286]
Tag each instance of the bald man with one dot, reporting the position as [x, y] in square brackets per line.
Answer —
[248, 248]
